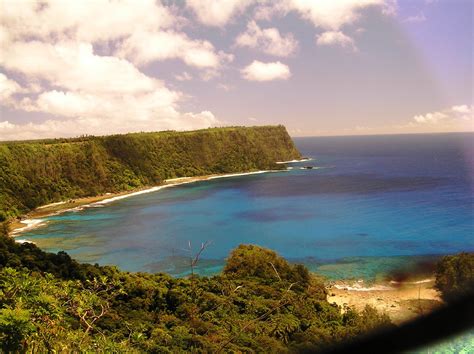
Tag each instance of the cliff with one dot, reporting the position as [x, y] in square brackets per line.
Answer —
[33, 173]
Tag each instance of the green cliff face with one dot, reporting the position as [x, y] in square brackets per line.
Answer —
[34, 173]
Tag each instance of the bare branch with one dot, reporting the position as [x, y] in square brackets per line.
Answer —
[237, 288]
[198, 255]
[196, 258]
[276, 272]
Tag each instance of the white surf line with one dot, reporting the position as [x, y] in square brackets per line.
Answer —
[241, 174]
[357, 287]
[184, 180]
[34, 223]
[29, 224]
[293, 161]
[119, 197]
[429, 280]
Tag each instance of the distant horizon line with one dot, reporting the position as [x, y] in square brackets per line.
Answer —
[238, 126]
[380, 134]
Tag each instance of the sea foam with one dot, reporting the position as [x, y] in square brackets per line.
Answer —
[29, 224]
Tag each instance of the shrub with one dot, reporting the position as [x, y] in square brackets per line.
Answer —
[455, 275]
[254, 261]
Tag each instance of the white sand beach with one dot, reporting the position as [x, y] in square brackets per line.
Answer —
[35, 219]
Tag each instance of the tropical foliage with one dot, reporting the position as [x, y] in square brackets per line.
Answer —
[44, 308]
[39, 172]
[259, 303]
[455, 275]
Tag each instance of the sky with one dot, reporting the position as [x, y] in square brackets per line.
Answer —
[319, 67]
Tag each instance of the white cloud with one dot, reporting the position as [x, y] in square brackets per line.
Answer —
[99, 126]
[217, 12]
[454, 118]
[75, 66]
[7, 89]
[415, 19]
[5, 126]
[89, 107]
[91, 94]
[267, 40]
[90, 21]
[434, 117]
[199, 120]
[144, 47]
[225, 87]
[259, 71]
[329, 15]
[140, 28]
[66, 53]
[68, 104]
[462, 109]
[326, 14]
[185, 76]
[335, 38]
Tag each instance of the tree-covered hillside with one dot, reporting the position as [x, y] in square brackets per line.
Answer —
[34, 173]
[260, 303]
[455, 276]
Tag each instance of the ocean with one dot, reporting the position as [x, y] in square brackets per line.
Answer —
[372, 207]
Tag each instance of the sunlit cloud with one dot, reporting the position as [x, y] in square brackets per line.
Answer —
[85, 74]
[416, 18]
[259, 71]
[144, 47]
[128, 65]
[335, 38]
[267, 40]
[455, 115]
[185, 76]
[326, 14]
[217, 12]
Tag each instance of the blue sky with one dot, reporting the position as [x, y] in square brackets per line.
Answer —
[321, 67]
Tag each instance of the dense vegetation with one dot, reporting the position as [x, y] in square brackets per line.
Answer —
[34, 173]
[260, 303]
[455, 276]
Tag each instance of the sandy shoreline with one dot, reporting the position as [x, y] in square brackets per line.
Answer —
[401, 301]
[34, 219]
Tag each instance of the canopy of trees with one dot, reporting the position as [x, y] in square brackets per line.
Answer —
[455, 275]
[39, 172]
[52, 303]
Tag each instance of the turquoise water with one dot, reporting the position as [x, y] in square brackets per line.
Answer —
[376, 205]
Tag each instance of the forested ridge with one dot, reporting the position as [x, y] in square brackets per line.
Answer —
[34, 173]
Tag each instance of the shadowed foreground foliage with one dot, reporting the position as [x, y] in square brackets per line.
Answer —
[455, 275]
[90, 308]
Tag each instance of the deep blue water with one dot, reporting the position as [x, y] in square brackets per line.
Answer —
[372, 205]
